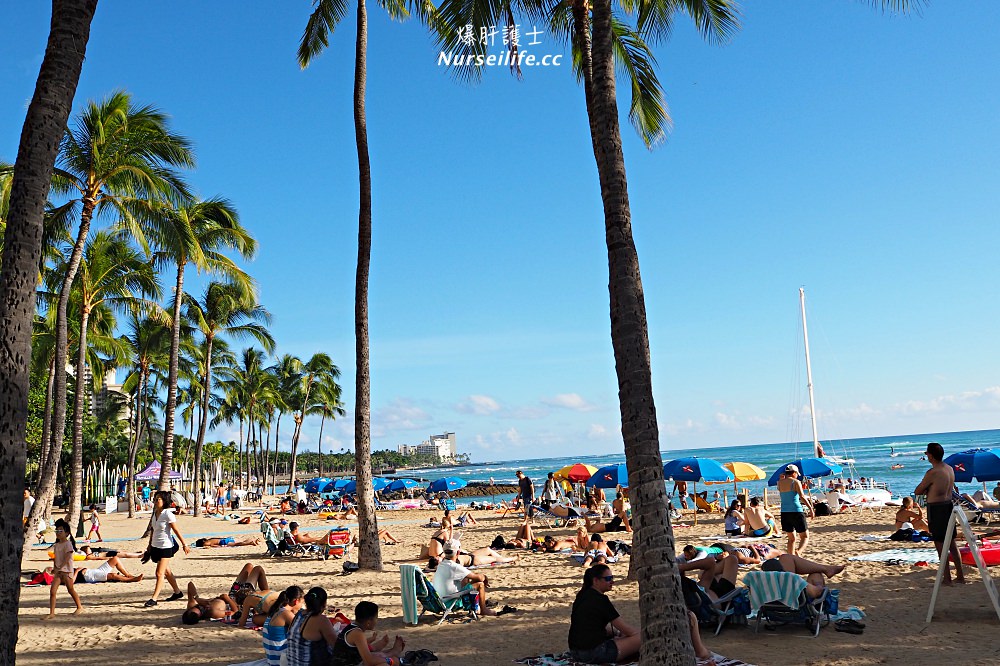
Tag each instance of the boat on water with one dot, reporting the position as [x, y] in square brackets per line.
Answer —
[863, 490]
[893, 453]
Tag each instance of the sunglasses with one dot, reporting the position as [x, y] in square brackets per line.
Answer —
[608, 579]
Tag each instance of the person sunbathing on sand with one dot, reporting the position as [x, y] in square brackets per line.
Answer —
[616, 524]
[554, 545]
[108, 553]
[911, 513]
[227, 541]
[479, 557]
[110, 571]
[386, 537]
[199, 608]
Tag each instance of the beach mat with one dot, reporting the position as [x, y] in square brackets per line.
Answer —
[899, 556]
[565, 660]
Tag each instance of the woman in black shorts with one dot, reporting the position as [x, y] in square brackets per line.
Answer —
[163, 545]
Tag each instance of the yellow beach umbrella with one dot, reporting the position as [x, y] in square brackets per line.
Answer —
[742, 471]
[576, 472]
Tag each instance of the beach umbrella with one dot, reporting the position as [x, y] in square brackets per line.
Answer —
[446, 484]
[576, 472]
[976, 464]
[808, 467]
[402, 484]
[697, 469]
[743, 471]
[379, 484]
[314, 485]
[610, 476]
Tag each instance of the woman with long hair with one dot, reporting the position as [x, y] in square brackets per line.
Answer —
[311, 636]
[275, 632]
[734, 519]
[162, 545]
[597, 633]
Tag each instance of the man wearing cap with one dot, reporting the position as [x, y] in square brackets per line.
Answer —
[793, 517]
[450, 578]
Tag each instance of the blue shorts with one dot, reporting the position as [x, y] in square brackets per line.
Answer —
[605, 653]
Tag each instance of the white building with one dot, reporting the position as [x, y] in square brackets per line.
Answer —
[442, 447]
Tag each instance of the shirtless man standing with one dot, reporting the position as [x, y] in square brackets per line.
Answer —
[938, 483]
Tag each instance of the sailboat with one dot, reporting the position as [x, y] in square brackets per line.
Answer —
[872, 492]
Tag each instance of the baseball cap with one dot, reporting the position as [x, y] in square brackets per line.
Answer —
[452, 546]
[790, 469]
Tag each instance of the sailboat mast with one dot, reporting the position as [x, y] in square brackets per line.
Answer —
[809, 375]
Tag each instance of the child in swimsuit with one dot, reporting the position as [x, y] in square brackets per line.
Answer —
[95, 523]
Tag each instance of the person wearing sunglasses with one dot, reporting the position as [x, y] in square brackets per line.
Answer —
[597, 633]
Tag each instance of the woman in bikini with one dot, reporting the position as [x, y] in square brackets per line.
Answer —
[227, 541]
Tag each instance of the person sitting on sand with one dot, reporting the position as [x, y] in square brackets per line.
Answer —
[733, 519]
[311, 635]
[582, 540]
[597, 633]
[274, 633]
[352, 647]
[285, 506]
[200, 608]
[759, 522]
[616, 524]
[465, 518]
[451, 577]
[224, 542]
[911, 513]
[815, 573]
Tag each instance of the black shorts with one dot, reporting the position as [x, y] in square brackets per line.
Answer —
[605, 653]
[938, 519]
[615, 525]
[721, 586]
[157, 554]
[772, 565]
[793, 521]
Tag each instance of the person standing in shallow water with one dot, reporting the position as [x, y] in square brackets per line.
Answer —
[938, 484]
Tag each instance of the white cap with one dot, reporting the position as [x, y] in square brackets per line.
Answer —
[452, 546]
[791, 468]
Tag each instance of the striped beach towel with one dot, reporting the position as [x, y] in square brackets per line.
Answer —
[768, 586]
[565, 659]
[408, 585]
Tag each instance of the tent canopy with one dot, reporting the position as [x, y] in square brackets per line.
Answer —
[152, 472]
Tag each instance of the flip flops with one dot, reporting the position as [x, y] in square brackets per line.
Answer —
[850, 626]
[418, 658]
[507, 609]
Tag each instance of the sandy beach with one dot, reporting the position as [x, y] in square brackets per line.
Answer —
[116, 629]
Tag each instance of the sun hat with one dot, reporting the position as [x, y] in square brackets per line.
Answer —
[789, 469]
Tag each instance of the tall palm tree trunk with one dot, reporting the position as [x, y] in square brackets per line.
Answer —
[370, 550]
[274, 472]
[322, 422]
[171, 408]
[203, 424]
[76, 471]
[46, 421]
[133, 446]
[666, 637]
[47, 483]
[44, 125]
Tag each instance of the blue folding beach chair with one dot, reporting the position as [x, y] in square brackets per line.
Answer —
[416, 589]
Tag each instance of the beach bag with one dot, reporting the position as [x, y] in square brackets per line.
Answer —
[902, 535]
[822, 509]
[41, 578]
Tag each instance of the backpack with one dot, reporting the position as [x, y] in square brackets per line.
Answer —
[822, 509]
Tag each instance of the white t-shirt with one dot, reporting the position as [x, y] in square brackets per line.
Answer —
[98, 575]
[447, 577]
[161, 529]
[28, 503]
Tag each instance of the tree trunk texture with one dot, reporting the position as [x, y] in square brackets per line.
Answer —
[47, 483]
[76, 470]
[665, 633]
[46, 423]
[133, 446]
[299, 419]
[170, 411]
[44, 126]
[203, 424]
[277, 442]
[319, 448]
[370, 550]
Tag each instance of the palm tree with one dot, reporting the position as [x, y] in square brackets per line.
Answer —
[313, 371]
[115, 154]
[287, 372]
[326, 402]
[192, 233]
[224, 309]
[114, 275]
[325, 17]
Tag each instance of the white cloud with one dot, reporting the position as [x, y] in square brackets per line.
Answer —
[573, 401]
[481, 405]
[739, 422]
[987, 400]
[401, 415]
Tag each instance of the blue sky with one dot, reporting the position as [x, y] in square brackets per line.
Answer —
[828, 146]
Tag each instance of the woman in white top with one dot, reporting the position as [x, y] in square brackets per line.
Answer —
[162, 546]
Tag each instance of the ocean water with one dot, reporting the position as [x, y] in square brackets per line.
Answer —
[871, 454]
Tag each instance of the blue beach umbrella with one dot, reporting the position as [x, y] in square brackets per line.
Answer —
[697, 469]
[976, 464]
[446, 484]
[808, 467]
[402, 484]
[610, 476]
[314, 485]
[380, 484]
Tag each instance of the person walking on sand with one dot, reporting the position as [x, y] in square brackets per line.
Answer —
[62, 570]
[938, 484]
[95, 524]
[793, 517]
[162, 546]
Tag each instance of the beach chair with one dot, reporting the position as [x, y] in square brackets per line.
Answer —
[448, 504]
[417, 590]
[981, 514]
[337, 543]
[779, 597]
[293, 547]
[271, 539]
[733, 606]
[703, 505]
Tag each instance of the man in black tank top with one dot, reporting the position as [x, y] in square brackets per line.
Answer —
[352, 648]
